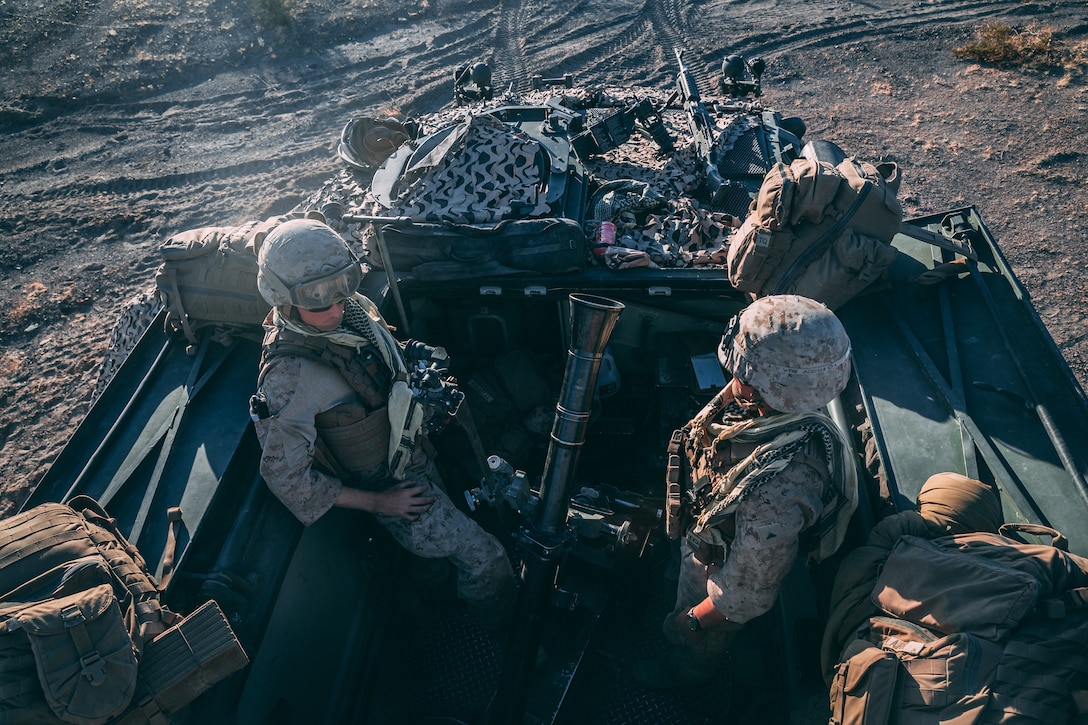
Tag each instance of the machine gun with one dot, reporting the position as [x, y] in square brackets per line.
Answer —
[615, 128]
[702, 128]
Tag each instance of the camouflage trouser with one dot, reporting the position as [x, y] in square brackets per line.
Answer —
[690, 590]
[485, 579]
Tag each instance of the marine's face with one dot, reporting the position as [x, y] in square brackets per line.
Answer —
[747, 396]
[325, 318]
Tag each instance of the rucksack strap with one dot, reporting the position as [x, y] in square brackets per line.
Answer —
[127, 564]
[820, 245]
[171, 281]
[173, 515]
[1015, 530]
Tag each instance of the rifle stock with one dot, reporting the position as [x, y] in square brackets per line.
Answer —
[702, 128]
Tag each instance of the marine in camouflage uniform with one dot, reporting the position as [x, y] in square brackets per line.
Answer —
[338, 424]
[758, 464]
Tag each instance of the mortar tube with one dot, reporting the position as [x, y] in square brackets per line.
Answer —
[546, 537]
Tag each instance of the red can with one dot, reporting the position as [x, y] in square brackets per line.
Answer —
[605, 238]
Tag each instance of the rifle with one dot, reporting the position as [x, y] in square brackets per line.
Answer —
[702, 128]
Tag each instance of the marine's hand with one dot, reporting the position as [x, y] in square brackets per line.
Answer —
[406, 500]
[683, 631]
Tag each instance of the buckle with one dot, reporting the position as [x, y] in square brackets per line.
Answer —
[93, 667]
[72, 616]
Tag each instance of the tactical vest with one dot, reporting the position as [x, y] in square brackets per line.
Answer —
[352, 437]
[705, 514]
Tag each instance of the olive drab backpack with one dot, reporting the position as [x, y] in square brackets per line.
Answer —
[83, 634]
[208, 277]
[974, 628]
[818, 230]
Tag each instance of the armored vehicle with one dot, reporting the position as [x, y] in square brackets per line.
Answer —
[568, 247]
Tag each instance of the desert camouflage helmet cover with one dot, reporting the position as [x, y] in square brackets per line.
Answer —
[791, 349]
[305, 263]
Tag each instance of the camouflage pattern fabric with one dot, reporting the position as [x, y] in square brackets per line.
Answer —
[138, 313]
[680, 235]
[765, 544]
[296, 390]
[491, 174]
[500, 174]
[623, 201]
[792, 349]
[485, 579]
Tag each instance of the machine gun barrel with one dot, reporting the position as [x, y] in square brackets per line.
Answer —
[702, 128]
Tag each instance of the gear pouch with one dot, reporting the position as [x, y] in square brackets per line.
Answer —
[84, 654]
[951, 591]
[863, 689]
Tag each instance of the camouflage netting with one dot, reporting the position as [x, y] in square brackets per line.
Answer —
[488, 173]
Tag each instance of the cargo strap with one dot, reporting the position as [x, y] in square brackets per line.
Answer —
[127, 564]
[825, 239]
[92, 666]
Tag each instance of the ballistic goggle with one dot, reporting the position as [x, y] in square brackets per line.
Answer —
[326, 290]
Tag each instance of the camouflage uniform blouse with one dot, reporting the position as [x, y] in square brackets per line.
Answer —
[767, 527]
[297, 390]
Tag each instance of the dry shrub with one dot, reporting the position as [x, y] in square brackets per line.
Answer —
[998, 43]
[40, 305]
[273, 13]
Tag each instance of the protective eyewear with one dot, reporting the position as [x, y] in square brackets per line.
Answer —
[326, 308]
[320, 294]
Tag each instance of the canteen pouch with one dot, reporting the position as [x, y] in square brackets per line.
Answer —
[84, 654]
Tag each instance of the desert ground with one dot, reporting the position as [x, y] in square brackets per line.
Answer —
[123, 122]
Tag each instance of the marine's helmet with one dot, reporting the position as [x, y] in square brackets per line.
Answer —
[305, 263]
[791, 349]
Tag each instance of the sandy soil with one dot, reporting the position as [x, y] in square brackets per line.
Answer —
[125, 121]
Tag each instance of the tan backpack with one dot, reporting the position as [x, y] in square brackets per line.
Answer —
[84, 637]
[975, 628]
[818, 230]
[208, 277]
